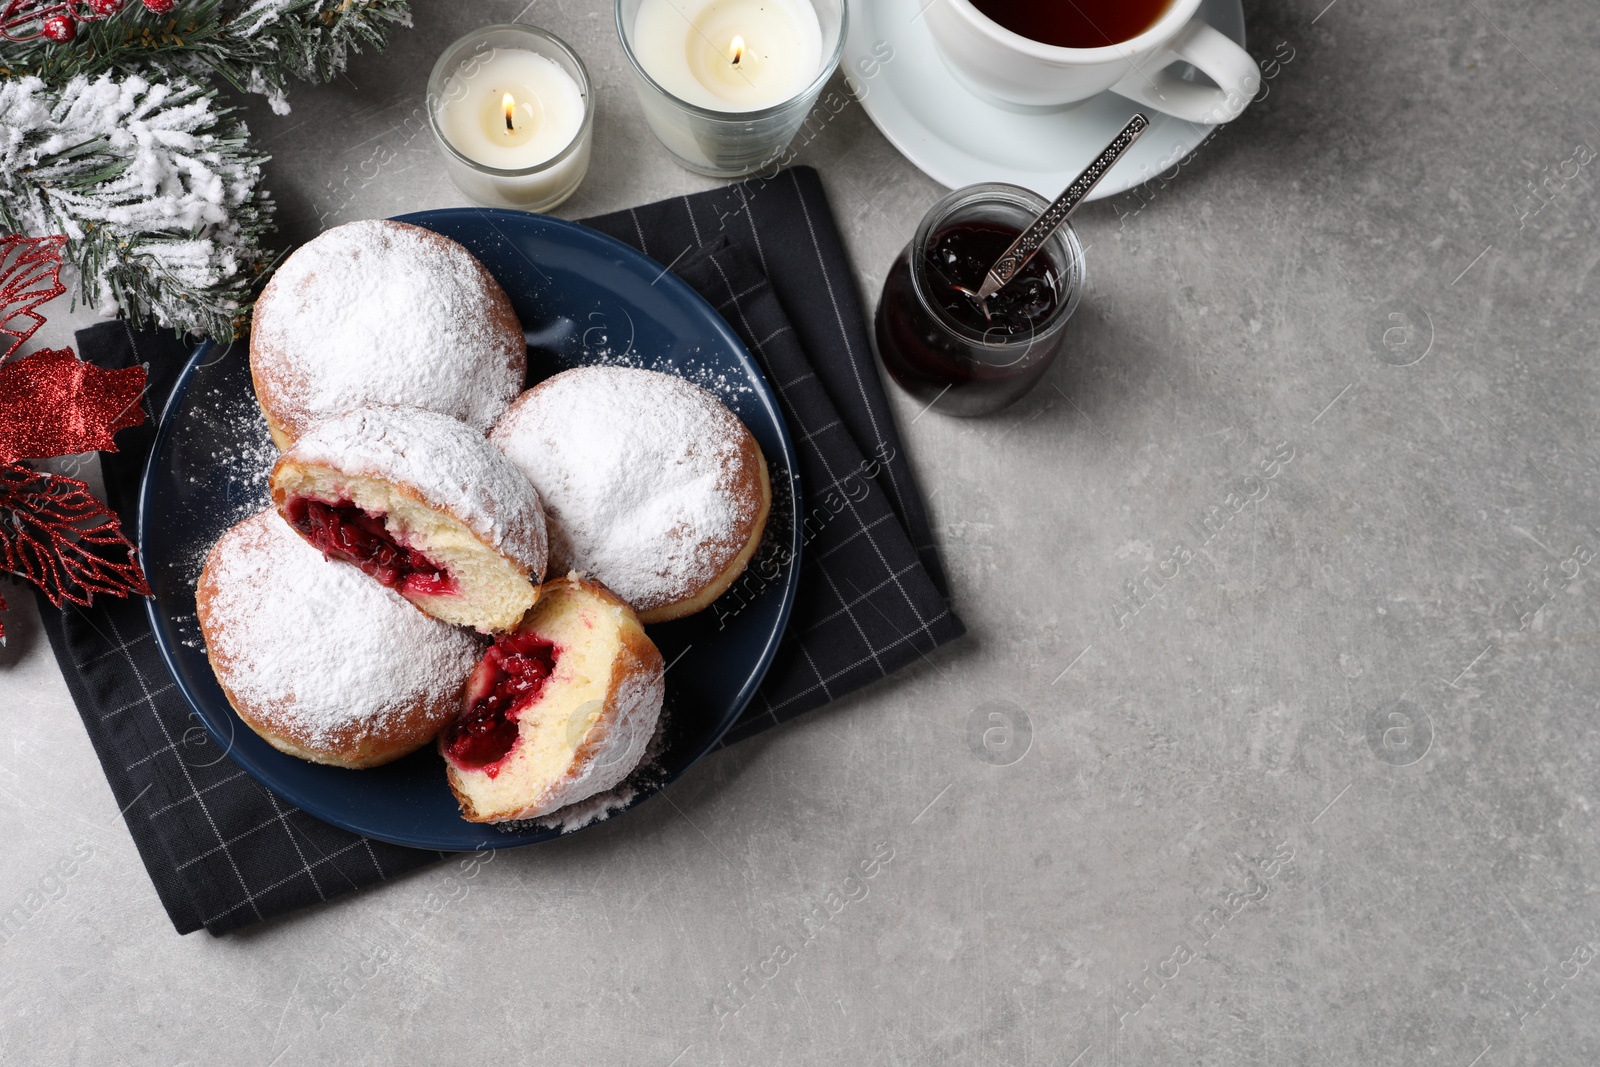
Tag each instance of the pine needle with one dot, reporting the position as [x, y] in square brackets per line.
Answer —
[116, 140]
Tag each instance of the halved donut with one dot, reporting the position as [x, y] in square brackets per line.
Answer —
[425, 505]
[560, 709]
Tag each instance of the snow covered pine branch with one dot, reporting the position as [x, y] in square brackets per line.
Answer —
[155, 187]
[109, 133]
[256, 46]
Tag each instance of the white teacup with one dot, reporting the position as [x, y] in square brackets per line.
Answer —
[1017, 70]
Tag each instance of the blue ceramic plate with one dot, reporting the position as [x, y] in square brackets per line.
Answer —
[583, 298]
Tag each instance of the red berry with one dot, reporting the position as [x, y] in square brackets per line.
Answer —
[105, 8]
[59, 28]
[160, 7]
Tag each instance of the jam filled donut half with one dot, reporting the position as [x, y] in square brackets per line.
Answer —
[650, 485]
[322, 663]
[425, 505]
[382, 312]
[560, 709]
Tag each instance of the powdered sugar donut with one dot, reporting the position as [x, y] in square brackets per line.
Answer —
[424, 504]
[649, 484]
[558, 710]
[382, 312]
[321, 662]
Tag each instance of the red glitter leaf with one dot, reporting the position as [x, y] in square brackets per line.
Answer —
[30, 275]
[54, 533]
[54, 404]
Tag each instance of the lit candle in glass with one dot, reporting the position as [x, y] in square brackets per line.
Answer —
[511, 106]
[725, 84]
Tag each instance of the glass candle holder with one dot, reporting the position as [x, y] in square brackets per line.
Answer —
[513, 112]
[722, 104]
[936, 343]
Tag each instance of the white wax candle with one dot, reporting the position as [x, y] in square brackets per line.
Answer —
[514, 110]
[729, 55]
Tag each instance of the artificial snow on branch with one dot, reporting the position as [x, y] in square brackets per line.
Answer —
[155, 186]
[256, 46]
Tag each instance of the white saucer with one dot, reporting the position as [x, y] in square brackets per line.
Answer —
[958, 138]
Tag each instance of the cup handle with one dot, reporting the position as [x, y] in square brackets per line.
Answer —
[1152, 84]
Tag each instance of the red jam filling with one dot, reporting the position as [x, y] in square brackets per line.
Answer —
[510, 676]
[344, 531]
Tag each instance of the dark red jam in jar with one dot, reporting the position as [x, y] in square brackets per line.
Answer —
[935, 340]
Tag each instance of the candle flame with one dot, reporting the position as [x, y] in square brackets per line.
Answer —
[736, 49]
[510, 104]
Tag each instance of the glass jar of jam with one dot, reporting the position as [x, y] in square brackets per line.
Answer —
[937, 342]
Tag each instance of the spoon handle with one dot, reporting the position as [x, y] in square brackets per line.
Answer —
[1033, 238]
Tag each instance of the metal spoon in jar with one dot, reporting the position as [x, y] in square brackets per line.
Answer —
[1038, 232]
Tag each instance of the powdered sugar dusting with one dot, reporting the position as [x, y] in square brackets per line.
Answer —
[636, 710]
[604, 345]
[445, 461]
[243, 451]
[380, 312]
[646, 776]
[639, 472]
[318, 645]
[713, 378]
[584, 813]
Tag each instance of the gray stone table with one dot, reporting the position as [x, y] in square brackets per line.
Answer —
[1285, 571]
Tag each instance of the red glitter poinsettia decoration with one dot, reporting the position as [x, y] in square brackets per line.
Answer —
[30, 275]
[54, 404]
[53, 532]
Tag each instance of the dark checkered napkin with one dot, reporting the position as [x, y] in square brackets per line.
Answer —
[224, 852]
